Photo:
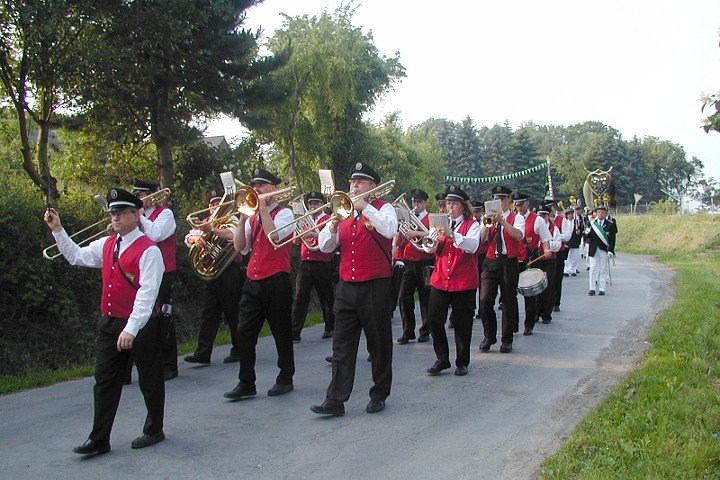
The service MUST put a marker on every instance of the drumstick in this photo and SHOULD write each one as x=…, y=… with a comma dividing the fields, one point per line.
x=533, y=261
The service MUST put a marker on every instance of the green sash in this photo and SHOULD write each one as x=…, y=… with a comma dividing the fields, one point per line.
x=600, y=232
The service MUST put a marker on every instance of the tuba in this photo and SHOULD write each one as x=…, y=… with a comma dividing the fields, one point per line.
x=407, y=221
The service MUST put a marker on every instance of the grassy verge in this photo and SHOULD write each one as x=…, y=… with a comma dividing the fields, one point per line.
x=42, y=378
x=662, y=421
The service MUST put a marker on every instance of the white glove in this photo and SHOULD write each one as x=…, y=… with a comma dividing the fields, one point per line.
x=611, y=254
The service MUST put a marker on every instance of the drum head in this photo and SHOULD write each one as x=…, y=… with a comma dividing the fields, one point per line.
x=530, y=277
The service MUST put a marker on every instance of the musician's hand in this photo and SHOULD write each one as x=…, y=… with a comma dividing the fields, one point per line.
x=334, y=224
x=125, y=341
x=360, y=204
x=547, y=254
x=496, y=216
x=611, y=254
x=207, y=228
x=52, y=219
x=141, y=211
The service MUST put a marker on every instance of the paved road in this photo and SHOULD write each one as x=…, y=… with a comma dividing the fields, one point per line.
x=500, y=421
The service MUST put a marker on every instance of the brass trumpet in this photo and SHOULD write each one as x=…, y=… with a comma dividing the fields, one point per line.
x=342, y=207
x=52, y=251
x=156, y=198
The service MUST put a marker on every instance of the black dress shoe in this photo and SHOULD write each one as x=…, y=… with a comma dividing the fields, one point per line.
x=601, y=292
x=242, y=390
x=278, y=389
x=528, y=331
x=461, y=371
x=146, y=440
x=566, y=274
x=169, y=375
x=556, y=308
x=231, y=359
x=506, y=348
x=403, y=340
x=92, y=446
x=423, y=338
x=192, y=358
x=328, y=334
x=328, y=408
x=438, y=367
x=545, y=321
x=375, y=406
x=591, y=293
x=485, y=344
x=328, y=359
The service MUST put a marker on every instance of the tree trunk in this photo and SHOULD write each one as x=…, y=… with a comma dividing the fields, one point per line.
x=159, y=132
x=43, y=141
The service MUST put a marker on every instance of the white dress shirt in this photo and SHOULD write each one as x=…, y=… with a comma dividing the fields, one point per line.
x=152, y=268
x=467, y=243
x=282, y=223
x=160, y=228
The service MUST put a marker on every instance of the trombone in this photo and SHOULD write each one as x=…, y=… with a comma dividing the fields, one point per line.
x=245, y=201
x=342, y=206
x=52, y=252
x=156, y=198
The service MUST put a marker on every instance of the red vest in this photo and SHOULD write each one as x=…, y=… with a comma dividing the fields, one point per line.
x=265, y=260
x=514, y=247
x=531, y=238
x=314, y=255
x=412, y=253
x=541, y=250
x=167, y=246
x=362, y=257
x=118, y=297
x=558, y=221
x=455, y=270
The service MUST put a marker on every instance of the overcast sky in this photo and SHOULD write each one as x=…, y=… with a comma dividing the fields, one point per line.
x=639, y=66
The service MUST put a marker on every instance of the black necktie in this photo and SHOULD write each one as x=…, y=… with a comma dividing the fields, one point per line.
x=417, y=214
x=116, y=255
x=452, y=226
x=499, y=239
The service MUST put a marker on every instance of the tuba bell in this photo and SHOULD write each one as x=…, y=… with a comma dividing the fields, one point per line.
x=213, y=255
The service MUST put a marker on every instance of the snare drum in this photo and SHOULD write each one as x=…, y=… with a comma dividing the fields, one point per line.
x=532, y=282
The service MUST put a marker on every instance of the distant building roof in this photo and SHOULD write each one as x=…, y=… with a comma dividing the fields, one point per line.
x=216, y=142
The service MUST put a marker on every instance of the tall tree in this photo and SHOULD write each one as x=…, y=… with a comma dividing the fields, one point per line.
x=41, y=61
x=159, y=65
x=334, y=76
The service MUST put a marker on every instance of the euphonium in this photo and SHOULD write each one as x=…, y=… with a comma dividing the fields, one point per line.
x=211, y=257
x=407, y=221
x=436, y=220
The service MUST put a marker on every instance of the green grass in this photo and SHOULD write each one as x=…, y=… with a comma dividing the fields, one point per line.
x=42, y=378
x=662, y=421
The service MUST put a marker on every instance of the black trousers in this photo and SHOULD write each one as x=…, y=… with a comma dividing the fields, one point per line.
x=541, y=306
x=318, y=275
x=168, y=335
x=110, y=368
x=502, y=272
x=221, y=301
x=267, y=299
x=559, y=267
x=463, y=307
x=414, y=279
x=362, y=306
x=481, y=260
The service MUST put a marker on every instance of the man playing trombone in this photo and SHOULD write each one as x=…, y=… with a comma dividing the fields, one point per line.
x=267, y=293
x=363, y=297
x=132, y=268
x=315, y=271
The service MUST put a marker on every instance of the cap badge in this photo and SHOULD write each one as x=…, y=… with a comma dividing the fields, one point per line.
x=358, y=166
x=113, y=194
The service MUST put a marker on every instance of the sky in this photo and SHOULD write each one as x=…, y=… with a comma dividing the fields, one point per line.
x=639, y=66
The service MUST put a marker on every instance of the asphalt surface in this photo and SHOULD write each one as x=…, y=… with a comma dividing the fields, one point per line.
x=500, y=421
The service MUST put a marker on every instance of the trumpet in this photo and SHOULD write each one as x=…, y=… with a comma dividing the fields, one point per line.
x=407, y=221
x=487, y=221
x=52, y=252
x=342, y=207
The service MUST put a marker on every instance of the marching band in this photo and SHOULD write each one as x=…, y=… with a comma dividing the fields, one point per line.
x=241, y=246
